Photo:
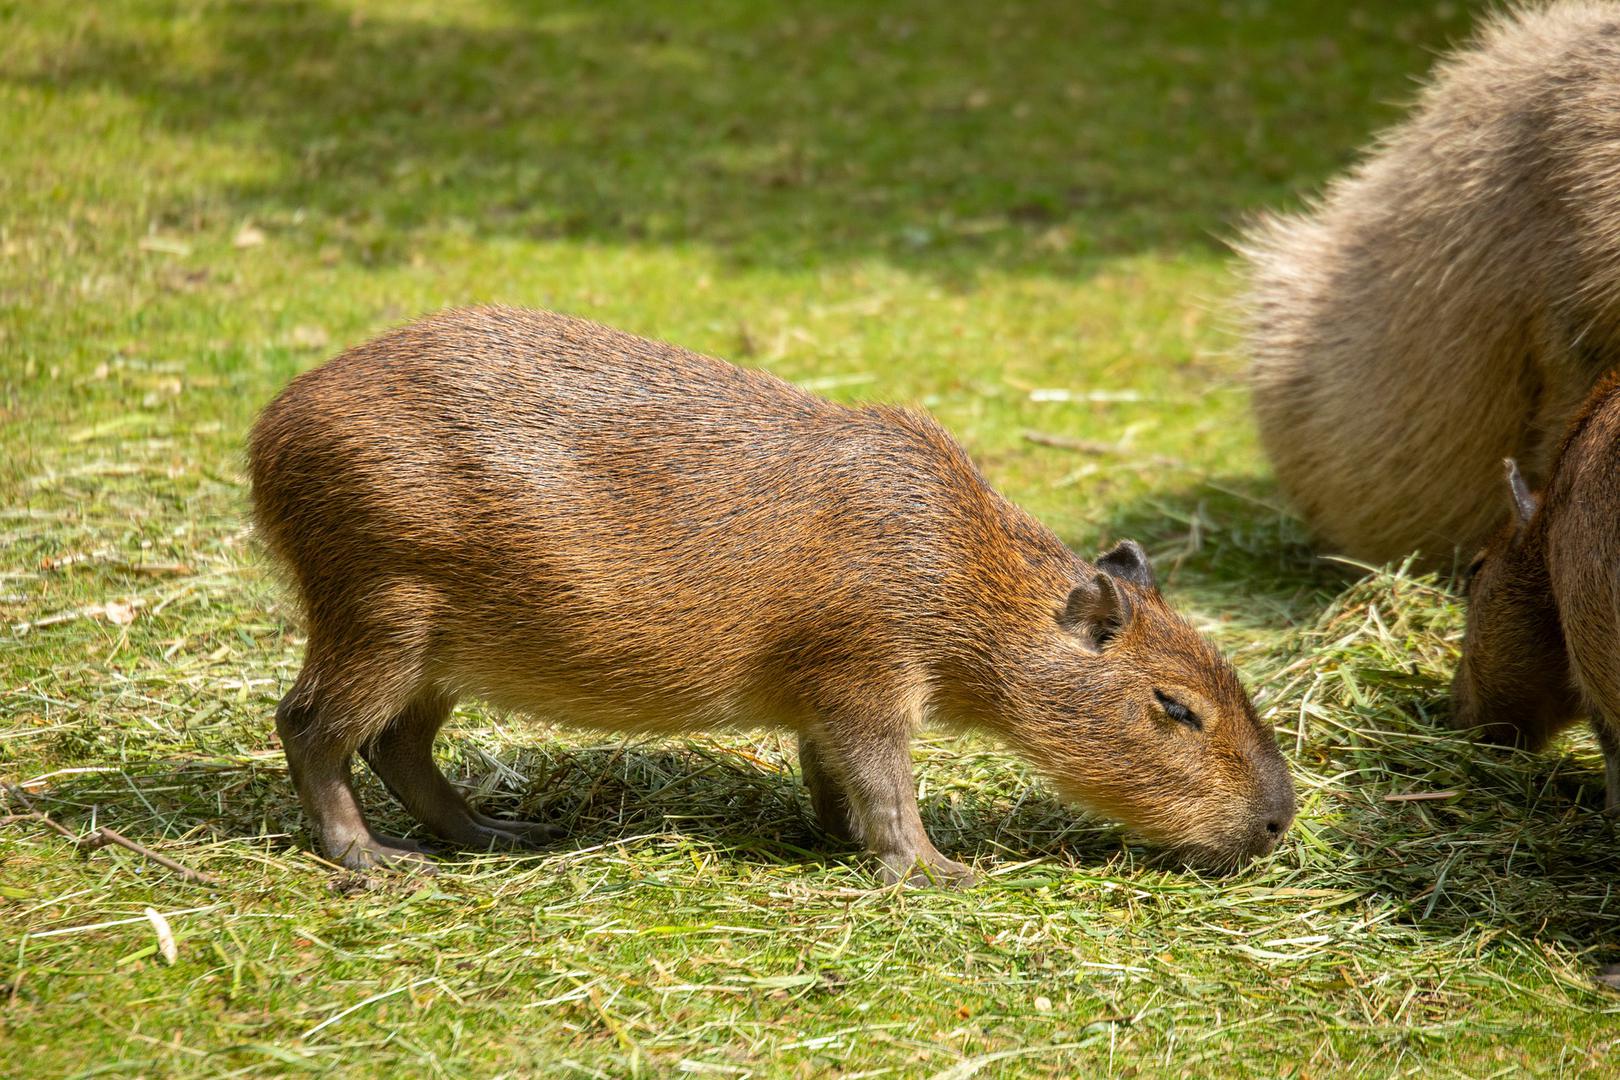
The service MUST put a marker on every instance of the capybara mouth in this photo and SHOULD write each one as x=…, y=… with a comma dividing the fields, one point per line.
x=1228, y=858
x=1220, y=861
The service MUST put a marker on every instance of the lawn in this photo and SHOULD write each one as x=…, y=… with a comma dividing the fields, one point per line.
x=1013, y=215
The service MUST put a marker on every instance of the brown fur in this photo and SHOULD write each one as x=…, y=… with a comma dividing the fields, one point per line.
x=566, y=520
x=1542, y=647
x=1451, y=300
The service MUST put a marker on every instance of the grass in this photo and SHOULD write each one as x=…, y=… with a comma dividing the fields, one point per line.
x=1011, y=215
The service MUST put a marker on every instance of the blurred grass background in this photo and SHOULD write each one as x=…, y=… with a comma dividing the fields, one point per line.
x=1014, y=216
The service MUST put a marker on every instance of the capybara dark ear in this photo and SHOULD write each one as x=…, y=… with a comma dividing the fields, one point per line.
x=1096, y=610
x=1128, y=562
x=1524, y=503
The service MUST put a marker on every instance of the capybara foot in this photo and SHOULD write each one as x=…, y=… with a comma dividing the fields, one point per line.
x=495, y=833
x=923, y=871
x=378, y=852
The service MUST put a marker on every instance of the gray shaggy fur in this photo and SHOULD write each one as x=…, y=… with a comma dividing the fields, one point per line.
x=1450, y=301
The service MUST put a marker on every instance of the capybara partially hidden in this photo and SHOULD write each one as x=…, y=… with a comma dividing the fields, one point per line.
x=1542, y=648
x=1451, y=301
x=585, y=526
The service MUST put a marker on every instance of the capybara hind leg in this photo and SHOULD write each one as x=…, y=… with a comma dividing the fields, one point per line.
x=827, y=797
x=319, y=765
x=402, y=757
x=874, y=763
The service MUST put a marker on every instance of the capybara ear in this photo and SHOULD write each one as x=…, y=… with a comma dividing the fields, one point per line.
x=1524, y=503
x=1096, y=610
x=1128, y=562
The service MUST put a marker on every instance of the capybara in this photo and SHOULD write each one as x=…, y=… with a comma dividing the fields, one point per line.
x=568, y=521
x=1449, y=302
x=1542, y=648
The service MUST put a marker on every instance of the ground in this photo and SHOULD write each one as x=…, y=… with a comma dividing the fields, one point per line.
x=1013, y=215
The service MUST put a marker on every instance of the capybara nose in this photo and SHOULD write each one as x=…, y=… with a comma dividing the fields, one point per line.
x=1277, y=817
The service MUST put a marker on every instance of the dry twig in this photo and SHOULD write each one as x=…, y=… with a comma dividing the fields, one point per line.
x=100, y=838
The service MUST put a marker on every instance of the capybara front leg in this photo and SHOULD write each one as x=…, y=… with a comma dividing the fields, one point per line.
x=1609, y=740
x=827, y=796
x=874, y=763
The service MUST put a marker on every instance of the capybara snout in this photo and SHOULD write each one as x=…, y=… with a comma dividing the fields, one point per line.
x=585, y=526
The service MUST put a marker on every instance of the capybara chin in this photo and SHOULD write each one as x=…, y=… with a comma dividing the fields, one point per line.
x=585, y=526
x=1542, y=647
x=1450, y=301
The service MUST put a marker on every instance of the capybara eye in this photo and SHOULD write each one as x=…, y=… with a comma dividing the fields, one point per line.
x=1178, y=712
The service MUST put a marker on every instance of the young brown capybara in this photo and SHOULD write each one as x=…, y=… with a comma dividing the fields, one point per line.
x=565, y=520
x=1542, y=648
x=1450, y=301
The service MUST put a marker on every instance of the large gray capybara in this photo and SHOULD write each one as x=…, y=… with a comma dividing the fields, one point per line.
x=1450, y=301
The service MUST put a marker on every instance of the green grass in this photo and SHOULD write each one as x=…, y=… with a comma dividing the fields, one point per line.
x=1011, y=214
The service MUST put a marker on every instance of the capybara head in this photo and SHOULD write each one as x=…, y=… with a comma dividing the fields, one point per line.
x=1513, y=681
x=1139, y=717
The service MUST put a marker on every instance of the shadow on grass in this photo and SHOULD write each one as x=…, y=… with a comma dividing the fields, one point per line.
x=1509, y=841
x=751, y=808
x=1523, y=848
x=1024, y=137
x=744, y=808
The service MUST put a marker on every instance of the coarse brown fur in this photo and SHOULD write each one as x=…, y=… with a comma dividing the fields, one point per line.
x=1451, y=300
x=1542, y=648
x=566, y=520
